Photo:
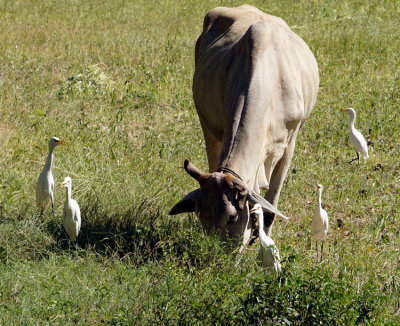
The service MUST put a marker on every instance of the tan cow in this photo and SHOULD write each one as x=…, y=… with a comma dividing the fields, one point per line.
x=255, y=84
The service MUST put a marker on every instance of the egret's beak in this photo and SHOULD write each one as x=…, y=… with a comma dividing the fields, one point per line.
x=343, y=110
x=61, y=142
x=253, y=210
x=63, y=184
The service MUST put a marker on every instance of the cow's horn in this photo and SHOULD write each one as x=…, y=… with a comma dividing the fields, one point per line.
x=192, y=170
x=253, y=198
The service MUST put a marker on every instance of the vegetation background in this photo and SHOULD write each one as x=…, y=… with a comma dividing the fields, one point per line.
x=113, y=79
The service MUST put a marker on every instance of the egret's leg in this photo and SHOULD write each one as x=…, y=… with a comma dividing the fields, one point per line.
x=316, y=247
x=356, y=158
x=322, y=248
x=67, y=237
x=52, y=207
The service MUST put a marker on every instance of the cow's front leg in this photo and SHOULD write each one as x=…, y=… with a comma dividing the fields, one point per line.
x=277, y=178
x=213, y=148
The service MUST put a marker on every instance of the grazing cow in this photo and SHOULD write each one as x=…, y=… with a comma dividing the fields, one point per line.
x=255, y=83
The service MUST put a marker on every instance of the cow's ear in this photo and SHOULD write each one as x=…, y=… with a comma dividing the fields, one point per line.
x=187, y=204
x=242, y=197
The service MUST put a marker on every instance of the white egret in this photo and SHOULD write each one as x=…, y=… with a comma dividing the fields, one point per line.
x=72, y=213
x=269, y=252
x=357, y=139
x=320, y=222
x=45, y=183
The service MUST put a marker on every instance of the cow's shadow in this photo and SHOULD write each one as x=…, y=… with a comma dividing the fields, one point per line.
x=140, y=234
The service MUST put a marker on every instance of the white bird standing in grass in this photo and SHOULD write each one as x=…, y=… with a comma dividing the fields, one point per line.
x=72, y=213
x=357, y=139
x=45, y=183
x=320, y=222
x=269, y=252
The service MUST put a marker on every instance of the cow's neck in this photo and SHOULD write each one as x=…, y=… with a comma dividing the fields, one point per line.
x=228, y=170
x=243, y=144
x=244, y=166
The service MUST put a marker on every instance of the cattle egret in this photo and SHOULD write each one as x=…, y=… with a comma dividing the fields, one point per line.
x=72, y=213
x=45, y=183
x=357, y=139
x=320, y=222
x=269, y=252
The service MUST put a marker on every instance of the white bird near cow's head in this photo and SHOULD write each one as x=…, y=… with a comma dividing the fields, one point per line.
x=268, y=250
x=357, y=139
x=320, y=222
x=72, y=213
x=45, y=183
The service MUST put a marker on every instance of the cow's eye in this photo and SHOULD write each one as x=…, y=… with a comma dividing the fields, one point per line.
x=233, y=218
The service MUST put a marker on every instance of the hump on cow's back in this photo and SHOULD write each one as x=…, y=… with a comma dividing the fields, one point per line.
x=224, y=17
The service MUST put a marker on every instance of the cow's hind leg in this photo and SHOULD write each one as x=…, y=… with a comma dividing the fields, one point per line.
x=277, y=179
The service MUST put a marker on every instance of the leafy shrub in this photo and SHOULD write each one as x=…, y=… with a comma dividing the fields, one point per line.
x=91, y=80
x=312, y=297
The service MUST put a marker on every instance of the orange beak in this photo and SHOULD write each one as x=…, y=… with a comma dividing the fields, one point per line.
x=253, y=210
x=61, y=142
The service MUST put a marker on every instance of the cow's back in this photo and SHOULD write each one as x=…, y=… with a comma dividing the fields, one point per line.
x=220, y=48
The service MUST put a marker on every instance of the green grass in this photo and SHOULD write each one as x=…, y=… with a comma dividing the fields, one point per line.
x=113, y=79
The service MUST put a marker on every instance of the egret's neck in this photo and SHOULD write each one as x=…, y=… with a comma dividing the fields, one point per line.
x=352, y=121
x=68, y=194
x=319, y=198
x=260, y=222
x=49, y=160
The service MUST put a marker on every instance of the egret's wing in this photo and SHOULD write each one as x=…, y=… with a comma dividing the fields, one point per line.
x=77, y=211
x=326, y=220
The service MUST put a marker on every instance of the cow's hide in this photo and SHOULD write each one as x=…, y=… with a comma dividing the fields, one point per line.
x=255, y=84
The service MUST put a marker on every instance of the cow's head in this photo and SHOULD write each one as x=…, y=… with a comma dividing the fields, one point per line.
x=220, y=202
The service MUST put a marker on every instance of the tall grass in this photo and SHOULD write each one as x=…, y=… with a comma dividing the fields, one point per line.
x=113, y=79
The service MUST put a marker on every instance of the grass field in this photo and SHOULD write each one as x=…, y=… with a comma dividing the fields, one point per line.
x=113, y=79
